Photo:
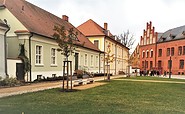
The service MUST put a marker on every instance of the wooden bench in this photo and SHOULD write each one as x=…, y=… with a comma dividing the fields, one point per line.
x=86, y=79
x=75, y=81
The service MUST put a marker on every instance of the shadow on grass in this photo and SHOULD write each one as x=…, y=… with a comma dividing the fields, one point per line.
x=68, y=90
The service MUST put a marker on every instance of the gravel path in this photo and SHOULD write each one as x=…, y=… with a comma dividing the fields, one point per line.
x=4, y=92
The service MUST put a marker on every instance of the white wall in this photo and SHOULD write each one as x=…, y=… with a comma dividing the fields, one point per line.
x=11, y=64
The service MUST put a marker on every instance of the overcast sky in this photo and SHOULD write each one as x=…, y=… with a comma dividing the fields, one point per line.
x=120, y=15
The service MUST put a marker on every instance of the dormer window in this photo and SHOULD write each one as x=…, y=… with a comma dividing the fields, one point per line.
x=183, y=33
x=172, y=36
x=164, y=39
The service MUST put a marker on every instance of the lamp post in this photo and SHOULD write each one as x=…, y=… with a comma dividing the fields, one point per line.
x=145, y=69
x=170, y=66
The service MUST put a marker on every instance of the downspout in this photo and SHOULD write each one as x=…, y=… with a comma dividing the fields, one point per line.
x=104, y=56
x=5, y=48
x=30, y=55
x=99, y=62
x=115, y=57
x=156, y=50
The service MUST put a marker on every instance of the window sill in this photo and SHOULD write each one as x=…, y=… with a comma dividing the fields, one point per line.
x=53, y=65
x=39, y=65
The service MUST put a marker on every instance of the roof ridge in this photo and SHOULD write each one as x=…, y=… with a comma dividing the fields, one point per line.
x=40, y=21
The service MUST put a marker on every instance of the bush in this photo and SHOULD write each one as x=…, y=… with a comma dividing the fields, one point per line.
x=101, y=74
x=10, y=82
x=50, y=79
x=79, y=73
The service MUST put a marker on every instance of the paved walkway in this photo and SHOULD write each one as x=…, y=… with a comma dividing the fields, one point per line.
x=4, y=92
x=158, y=81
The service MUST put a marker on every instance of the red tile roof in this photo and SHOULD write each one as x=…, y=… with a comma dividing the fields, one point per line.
x=91, y=28
x=41, y=22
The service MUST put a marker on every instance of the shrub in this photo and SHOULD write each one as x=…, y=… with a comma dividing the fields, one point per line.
x=79, y=73
x=10, y=82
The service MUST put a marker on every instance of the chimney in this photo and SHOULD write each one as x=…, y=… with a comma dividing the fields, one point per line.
x=105, y=26
x=65, y=18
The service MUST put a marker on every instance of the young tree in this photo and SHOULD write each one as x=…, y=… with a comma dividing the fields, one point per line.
x=108, y=59
x=66, y=40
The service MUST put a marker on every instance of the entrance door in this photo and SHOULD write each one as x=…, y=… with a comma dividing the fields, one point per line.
x=76, y=61
x=20, y=71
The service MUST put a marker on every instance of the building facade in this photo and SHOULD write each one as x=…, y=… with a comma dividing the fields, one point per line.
x=102, y=38
x=135, y=60
x=171, y=51
x=3, y=66
x=163, y=52
x=33, y=27
x=148, y=47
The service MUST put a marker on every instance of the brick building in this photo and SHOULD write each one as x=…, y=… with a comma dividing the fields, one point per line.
x=135, y=59
x=171, y=46
x=148, y=47
x=160, y=51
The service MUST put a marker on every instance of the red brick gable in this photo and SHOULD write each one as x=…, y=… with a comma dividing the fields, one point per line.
x=41, y=22
x=149, y=35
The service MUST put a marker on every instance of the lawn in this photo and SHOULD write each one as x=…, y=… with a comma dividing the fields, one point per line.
x=116, y=97
x=154, y=78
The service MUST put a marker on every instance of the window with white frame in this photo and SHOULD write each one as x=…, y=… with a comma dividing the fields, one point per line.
x=96, y=61
x=53, y=56
x=38, y=55
x=102, y=62
x=92, y=60
x=85, y=60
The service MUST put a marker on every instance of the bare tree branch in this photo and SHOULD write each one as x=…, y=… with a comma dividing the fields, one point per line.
x=126, y=39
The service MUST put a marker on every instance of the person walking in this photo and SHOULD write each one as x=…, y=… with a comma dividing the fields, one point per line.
x=164, y=74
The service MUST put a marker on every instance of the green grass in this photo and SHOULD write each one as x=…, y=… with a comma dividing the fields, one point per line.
x=116, y=97
x=153, y=78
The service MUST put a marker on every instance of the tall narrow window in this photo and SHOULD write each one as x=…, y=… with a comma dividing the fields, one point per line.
x=146, y=64
x=147, y=54
x=160, y=53
x=102, y=63
x=38, y=55
x=143, y=64
x=159, y=64
x=151, y=53
x=96, y=61
x=181, y=64
x=172, y=51
x=180, y=50
x=143, y=54
x=168, y=52
x=92, y=60
x=96, y=43
x=53, y=56
x=183, y=50
x=85, y=60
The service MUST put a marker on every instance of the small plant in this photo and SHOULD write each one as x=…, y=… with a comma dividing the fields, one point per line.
x=10, y=82
x=0, y=78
